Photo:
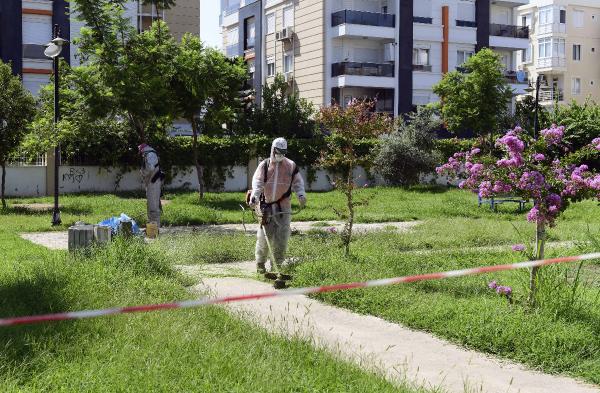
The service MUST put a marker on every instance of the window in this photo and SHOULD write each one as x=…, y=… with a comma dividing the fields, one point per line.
x=251, y=69
x=545, y=16
x=271, y=23
x=526, y=55
x=420, y=56
x=578, y=17
x=288, y=62
x=147, y=14
x=249, y=33
x=526, y=20
x=271, y=67
x=462, y=56
x=577, y=52
x=563, y=16
x=288, y=17
x=576, y=86
x=233, y=36
x=551, y=47
x=466, y=11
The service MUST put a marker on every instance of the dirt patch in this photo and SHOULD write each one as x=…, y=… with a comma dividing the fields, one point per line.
x=35, y=207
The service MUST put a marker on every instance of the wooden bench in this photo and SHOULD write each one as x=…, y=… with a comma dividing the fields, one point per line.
x=495, y=201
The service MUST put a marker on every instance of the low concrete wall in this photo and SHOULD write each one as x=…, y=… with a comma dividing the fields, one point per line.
x=26, y=181
x=31, y=181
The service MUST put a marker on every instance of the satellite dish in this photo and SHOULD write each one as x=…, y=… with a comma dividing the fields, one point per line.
x=521, y=76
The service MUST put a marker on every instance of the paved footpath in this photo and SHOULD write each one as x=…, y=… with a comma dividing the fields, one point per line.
x=59, y=240
x=397, y=352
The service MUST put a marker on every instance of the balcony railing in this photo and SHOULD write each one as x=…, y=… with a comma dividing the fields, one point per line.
x=466, y=23
x=421, y=67
x=550, y=62
x=362, y=18
x=422, y=19
x=511, y=77
x=551, y=95
x=509, y=31
x=362, y=69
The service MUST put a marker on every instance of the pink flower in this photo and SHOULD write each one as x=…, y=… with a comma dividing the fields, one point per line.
x=533, y=215
x=493, y=284
x=332, y=230
x=485, y=189
x=518, y=247
x=539, y=157
x=554, y=134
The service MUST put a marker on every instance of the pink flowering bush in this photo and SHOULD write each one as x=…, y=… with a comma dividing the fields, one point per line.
x=543, y=170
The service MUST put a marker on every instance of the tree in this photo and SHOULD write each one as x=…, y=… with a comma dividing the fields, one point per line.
x=477, y=99
x=17, y=108
x=525, y=114
x=404, y=155
x=543, y=169
x=581, y=122
x=348, y=129
x=135, y=69
x=204, y=81
x=283, y=114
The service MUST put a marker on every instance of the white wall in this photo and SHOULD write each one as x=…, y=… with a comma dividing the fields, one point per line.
x=27, y=181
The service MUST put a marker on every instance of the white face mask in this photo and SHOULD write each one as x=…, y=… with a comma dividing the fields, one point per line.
x=278, y=157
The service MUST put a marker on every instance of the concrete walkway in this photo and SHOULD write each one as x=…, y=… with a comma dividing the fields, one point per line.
x=397, y=352
x=59, y=240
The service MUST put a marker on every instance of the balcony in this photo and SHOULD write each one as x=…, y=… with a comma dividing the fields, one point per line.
x=550, y=95
x=551, y=62
x=362, y=18
x=509, y=31
x=466, y=23
x=511, y=78
x=421, y=67
x=422, y=19
x=363, y=75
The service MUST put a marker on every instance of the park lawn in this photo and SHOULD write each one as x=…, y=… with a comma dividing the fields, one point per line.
x=204, y=349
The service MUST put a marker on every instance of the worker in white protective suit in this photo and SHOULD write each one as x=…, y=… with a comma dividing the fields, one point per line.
x=272, y=185
x=153, y=178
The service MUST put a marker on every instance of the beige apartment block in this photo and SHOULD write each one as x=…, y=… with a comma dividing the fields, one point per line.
x=564, y=48
x=184, y=18
x=295, y=47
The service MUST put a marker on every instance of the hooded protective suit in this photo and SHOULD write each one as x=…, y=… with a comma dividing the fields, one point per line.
x=150, y=175
x=280, y=178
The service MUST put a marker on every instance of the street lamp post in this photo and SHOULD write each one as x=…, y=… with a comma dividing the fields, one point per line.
x=538, y=82
x=53, y=51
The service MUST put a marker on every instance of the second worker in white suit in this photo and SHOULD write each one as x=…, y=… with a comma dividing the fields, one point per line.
x=272, y=185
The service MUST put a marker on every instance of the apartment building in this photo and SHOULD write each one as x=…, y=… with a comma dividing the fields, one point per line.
x=564, y=48
x=394, y=50
x=26, y=26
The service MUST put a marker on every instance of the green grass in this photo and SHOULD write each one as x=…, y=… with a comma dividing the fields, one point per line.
x=203, y=349
x=558, y=337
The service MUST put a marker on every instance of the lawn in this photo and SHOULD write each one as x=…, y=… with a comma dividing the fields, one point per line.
x=561, y=336
x=200, y=350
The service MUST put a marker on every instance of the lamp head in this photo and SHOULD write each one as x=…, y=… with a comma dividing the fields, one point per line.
x=54, y=47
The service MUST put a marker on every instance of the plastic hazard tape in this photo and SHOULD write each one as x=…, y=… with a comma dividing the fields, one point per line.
x=34, y=319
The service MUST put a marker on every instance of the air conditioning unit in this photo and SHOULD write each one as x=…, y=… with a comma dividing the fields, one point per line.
x=389, y=52
x=285, y=34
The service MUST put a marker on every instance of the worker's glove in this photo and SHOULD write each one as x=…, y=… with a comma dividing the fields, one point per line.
x=302, y=201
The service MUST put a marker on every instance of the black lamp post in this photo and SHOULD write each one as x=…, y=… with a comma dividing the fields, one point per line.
x=538, y=82
x=53, y=50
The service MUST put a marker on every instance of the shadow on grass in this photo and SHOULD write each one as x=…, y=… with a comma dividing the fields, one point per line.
x=25, y=211
x=31, y=296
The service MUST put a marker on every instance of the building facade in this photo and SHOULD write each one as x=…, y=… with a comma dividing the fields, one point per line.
x=26, y=26
x=564, y=48
x=394, y=50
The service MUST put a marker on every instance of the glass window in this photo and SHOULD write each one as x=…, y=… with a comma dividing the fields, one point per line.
x=545, y=16
x=526, y=55
x=270, y=67
x=462, y=56
x=250, y=33
x=271, y=23
x=576, y=52
x=576, y=86
x=563, y=16
x=288, y=17
x=147, y=14
x=420, y=56
x=288, y=63
x=233, y=36
x=551, y=47
x=251, y=69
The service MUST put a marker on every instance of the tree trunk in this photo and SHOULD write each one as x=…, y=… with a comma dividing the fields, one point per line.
x=199, y=168
x=350, y=205
x=540, y=242
x=3, y=184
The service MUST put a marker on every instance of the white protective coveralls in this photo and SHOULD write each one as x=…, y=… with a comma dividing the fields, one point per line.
x=279, y=179
x=149, y=171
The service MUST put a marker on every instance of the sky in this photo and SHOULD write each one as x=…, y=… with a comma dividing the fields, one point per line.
x=210, y=31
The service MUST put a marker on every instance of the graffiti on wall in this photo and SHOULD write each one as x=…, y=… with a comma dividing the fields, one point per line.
x=74, y=175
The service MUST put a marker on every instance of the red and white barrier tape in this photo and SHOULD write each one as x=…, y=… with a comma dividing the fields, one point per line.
x=29, y=320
